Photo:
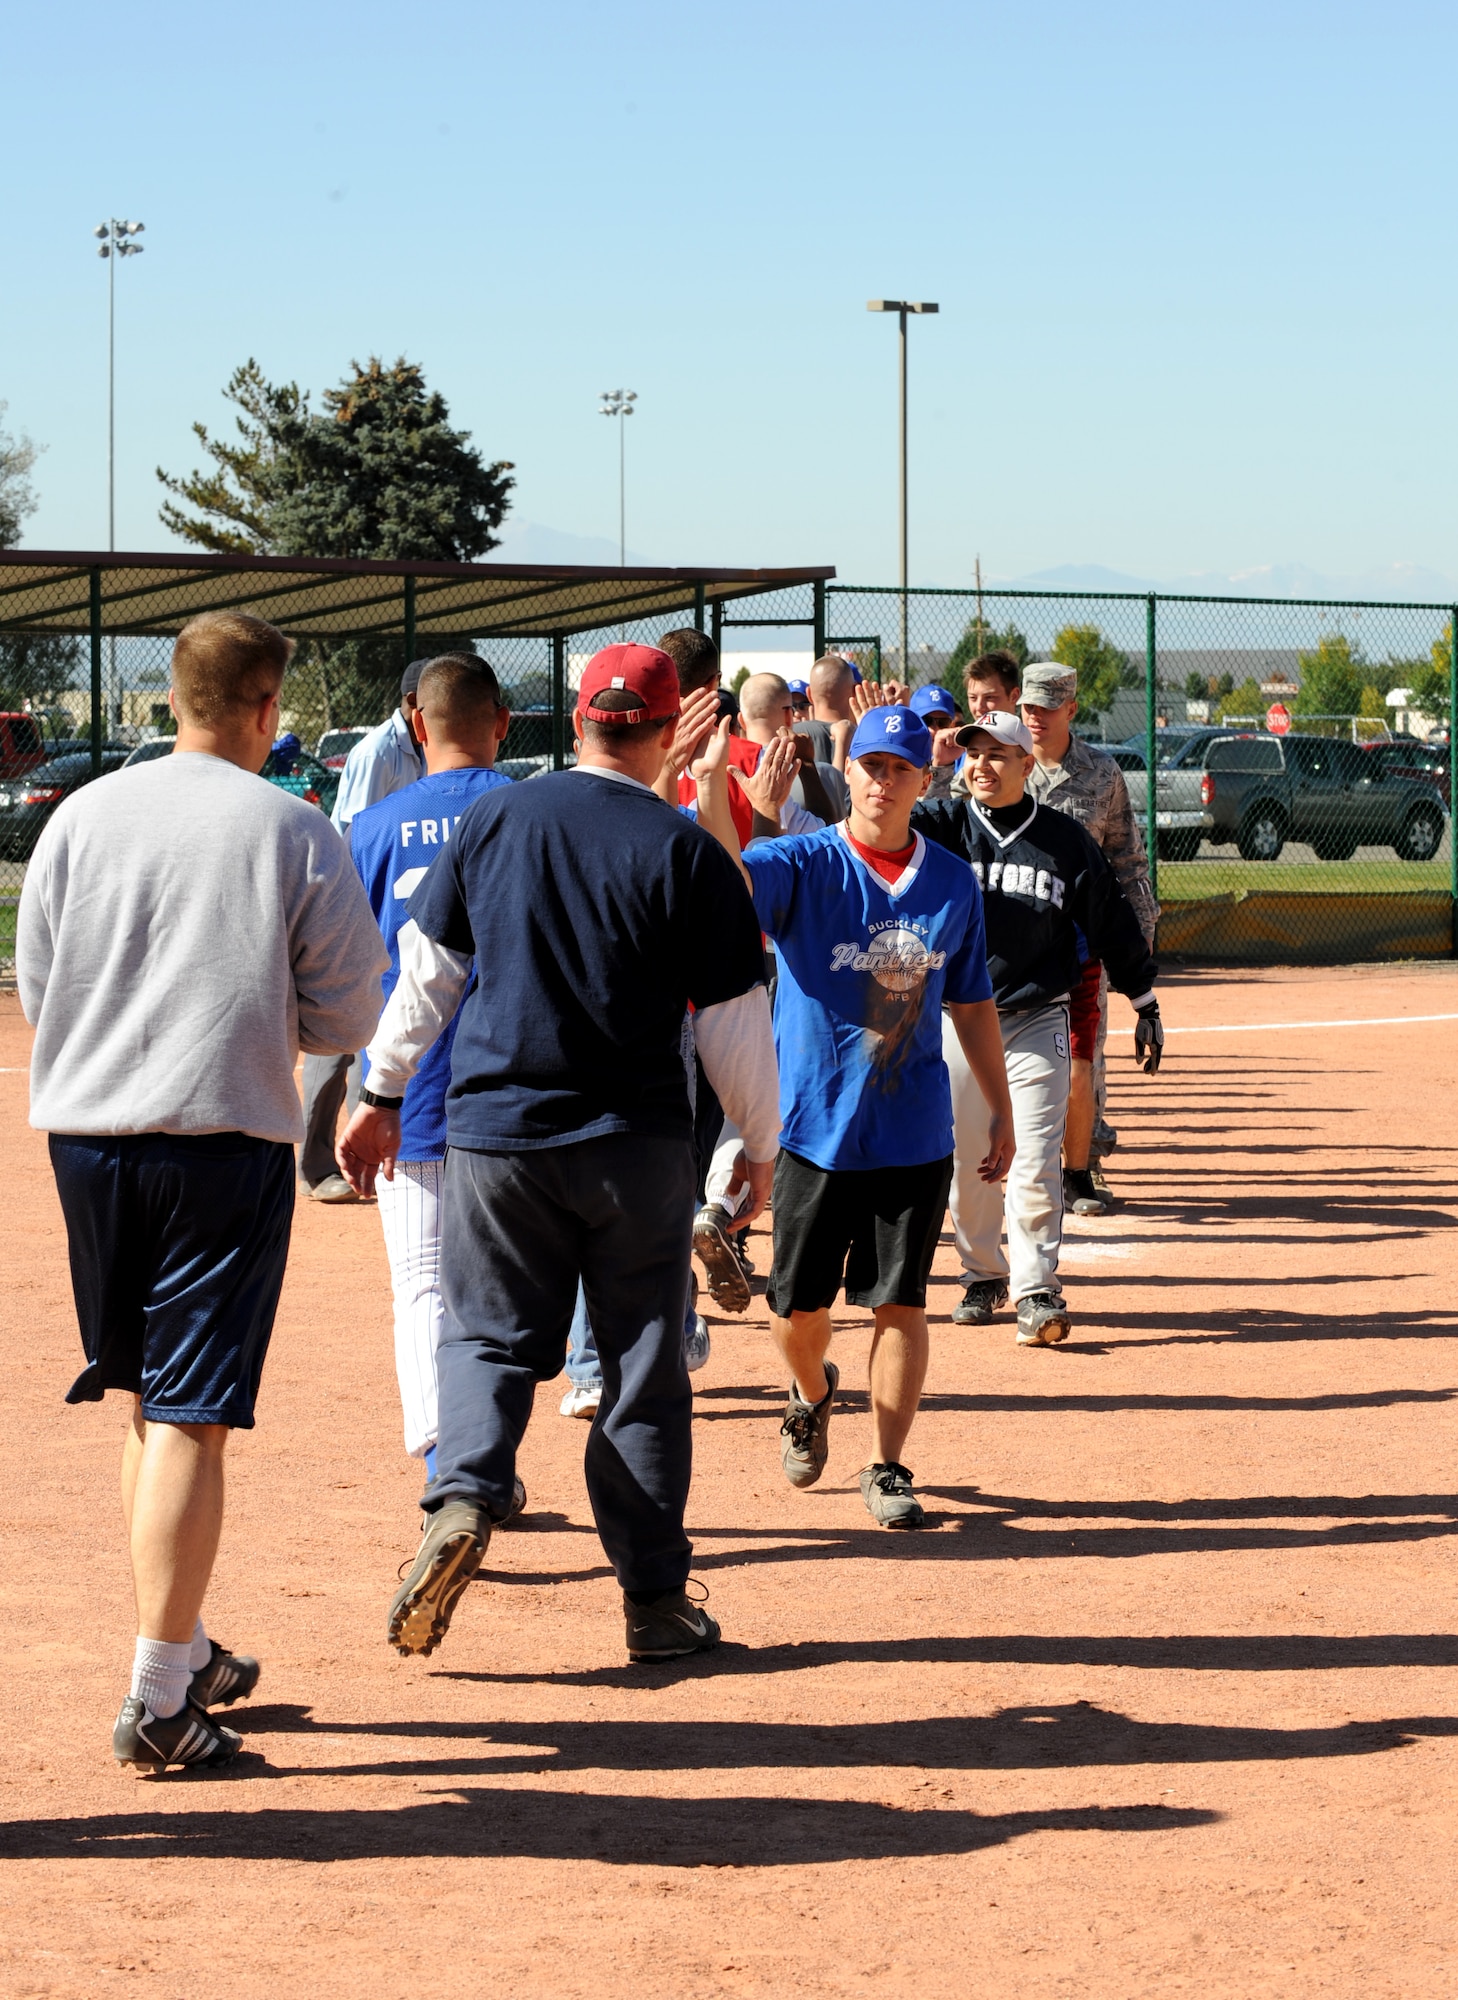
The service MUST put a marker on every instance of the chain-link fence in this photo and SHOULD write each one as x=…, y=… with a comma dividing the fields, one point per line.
x=1304, y=789
x=86, y=647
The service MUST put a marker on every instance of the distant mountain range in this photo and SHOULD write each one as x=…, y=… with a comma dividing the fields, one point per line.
x=1401, y=582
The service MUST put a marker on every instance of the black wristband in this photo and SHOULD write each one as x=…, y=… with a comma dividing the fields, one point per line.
x=380, y=1103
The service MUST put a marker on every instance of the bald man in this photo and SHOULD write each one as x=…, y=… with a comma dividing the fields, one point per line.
x=832, y=724
x=765, y=710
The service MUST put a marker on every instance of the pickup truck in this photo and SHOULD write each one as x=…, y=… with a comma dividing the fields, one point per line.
x=1262, y=791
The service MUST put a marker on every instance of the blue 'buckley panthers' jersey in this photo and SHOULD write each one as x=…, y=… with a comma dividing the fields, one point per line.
x=392, y=845
x=865, y=966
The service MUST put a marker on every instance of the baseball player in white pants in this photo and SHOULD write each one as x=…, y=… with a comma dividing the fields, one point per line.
x=410, y=1217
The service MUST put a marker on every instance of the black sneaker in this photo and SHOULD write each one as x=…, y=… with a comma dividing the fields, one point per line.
x=226, y=1678
x=739, y=1244
x=714, y=1248
x=805, y=1433
x=1080, y=1196
x=668, y=1628
x=979, y=1302
x=1042, y=1320
x=886, y=1490
x=451, y=1550
x=152, y=1742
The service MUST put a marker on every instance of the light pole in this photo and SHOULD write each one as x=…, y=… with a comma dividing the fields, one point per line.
x=902, y=307
x=619, y=403
x=117, y=240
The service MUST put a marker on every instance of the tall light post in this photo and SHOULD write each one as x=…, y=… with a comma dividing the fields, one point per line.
x=902, y=307
x=619, y=403
x=117, y=240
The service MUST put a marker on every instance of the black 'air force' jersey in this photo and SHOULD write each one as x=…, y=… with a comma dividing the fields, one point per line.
x=1044, y=881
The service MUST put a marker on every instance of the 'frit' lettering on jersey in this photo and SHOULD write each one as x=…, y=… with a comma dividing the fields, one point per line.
x=433, y=832
x=1016, y=878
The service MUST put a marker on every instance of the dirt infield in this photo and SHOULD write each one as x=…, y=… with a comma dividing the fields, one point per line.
x=1166, y=1701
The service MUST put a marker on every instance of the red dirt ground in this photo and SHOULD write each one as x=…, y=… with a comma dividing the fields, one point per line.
x=1165, y=1702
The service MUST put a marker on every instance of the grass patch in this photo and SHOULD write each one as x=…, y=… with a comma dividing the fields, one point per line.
x=1188, y=880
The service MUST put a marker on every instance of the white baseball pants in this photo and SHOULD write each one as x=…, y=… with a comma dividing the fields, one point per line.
x=410, y=1215
x=1030, y=1201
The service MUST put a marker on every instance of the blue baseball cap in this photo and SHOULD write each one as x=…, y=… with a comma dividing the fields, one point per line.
x=899, y=730
x=934, y=701
x=799, y=687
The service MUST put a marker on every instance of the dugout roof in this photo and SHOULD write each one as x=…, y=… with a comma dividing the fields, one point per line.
x=320, y=597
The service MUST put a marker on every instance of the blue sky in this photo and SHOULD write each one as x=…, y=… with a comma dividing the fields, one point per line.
x=1195, y=265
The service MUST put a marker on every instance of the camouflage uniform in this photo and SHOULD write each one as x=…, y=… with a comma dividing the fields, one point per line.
x=1089, y=786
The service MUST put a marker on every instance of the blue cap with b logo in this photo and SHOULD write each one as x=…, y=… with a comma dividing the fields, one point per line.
x=899, y=730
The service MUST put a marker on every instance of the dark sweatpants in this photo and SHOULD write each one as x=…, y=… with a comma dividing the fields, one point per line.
x=517, y=1230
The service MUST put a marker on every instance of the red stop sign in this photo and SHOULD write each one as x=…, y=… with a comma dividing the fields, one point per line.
x=1278, y=718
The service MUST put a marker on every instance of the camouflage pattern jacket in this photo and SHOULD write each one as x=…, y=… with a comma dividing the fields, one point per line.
x=1089, y=786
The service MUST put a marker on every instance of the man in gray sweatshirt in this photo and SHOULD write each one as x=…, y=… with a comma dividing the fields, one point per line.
x=184, y=930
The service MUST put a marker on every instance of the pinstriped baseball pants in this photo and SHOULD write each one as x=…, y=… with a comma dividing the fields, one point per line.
x=410, y=1216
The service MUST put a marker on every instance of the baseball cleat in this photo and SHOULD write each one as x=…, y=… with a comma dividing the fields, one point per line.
x=226, y=1678
x=151, y=1742
x=805, y=1433
x=728, y=1286
x=451, y=1551
x=886, y=1490
x=979, y=1302
x=668, y=1628
x=1042, y=1320
x=1080, y=1196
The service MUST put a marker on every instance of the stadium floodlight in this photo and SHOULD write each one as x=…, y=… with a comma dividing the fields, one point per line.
x=619, y=403
x=903, y=308
x=114, y=237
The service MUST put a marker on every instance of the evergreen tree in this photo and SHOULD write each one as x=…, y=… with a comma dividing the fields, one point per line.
x=1101, y=668
x=980, y=638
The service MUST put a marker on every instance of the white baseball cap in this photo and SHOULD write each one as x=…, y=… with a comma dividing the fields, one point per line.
x=1009, y=729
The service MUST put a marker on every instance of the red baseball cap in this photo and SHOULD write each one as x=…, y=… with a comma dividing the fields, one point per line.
x=641, y=670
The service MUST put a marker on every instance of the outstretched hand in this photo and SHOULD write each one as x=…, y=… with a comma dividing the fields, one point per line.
x=867, y=695
x=770, y=783
x=695, y=720
x=713, y=753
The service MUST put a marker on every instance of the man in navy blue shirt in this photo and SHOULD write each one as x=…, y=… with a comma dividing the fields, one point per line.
x=595, y=914
x=459, y=722
x=875, y=930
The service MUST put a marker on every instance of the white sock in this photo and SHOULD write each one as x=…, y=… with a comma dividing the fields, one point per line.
x=161, y=1673
x=202, y=1648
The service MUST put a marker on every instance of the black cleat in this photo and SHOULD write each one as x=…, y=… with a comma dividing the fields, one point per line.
x=151, y=1742
x=714, y=1248
x=668, y=1628
x=1080, y=1195
x=226, y=1678
x=979, y=1302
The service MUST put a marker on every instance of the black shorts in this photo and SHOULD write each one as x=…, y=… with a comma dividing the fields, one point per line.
x=178, y=1245
x=878, y=1227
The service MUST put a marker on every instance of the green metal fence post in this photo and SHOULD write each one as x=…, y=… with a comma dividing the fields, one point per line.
x=96, y=694
x=1453, y=771
x=716, y=624
x=698, y=607
x=1151, y=819
x=818, y=587
x=409, y=620
x=559, y=701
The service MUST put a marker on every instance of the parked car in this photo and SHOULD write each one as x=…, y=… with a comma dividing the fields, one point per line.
x=1180, y=818
x=22, y=746
x=1410, y=757
x=1262, y=791
x=154, y=747
x=307, y=779
x=520, y=768
x=28, y=802
x=335, y=745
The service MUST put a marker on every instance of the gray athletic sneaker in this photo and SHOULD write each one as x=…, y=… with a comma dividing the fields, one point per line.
x=979, y=1302
x=669, y=1628
x=1042, y=1320
x=886, y=1490
x=152, y=1742
x=227, y=1677
x=805, y=1433
x=714, y=1248
x=451, y=1551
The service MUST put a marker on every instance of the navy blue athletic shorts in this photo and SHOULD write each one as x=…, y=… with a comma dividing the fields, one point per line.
x=178, y=1245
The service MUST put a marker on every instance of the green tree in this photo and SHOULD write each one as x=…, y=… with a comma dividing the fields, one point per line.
x=35, y=667
x=1197, y=687
x=1101, y=668
x=379, y=472
x=1373, y=704
x=980, y=638
x=1331, y=678
x=17, y=499
x=1246, y=699
x=1429, y=681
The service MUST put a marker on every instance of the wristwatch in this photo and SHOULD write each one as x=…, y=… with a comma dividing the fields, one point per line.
x=380, y=1103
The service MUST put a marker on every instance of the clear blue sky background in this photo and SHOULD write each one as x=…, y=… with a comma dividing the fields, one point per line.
x=1195, y=264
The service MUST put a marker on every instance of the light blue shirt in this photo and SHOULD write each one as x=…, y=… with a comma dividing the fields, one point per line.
x=383, y=762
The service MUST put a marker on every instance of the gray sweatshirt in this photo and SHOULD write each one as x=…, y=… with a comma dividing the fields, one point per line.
x=184, y=930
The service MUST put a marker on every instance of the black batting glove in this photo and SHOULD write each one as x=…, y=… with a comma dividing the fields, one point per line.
x=1149, y=1038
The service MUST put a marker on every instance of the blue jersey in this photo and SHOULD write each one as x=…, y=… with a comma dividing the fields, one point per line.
x=865, y=966
x=392, y=845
